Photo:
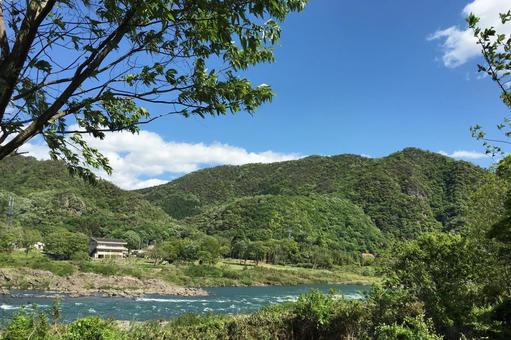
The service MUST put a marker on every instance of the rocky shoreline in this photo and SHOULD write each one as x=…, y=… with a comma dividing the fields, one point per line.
x=88, y=284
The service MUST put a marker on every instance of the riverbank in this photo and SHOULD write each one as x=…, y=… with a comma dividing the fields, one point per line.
x=132, y=277
x=87, y=284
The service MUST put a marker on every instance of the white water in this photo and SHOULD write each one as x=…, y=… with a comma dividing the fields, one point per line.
x=227, y=300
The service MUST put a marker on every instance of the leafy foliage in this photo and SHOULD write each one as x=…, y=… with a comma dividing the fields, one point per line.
x=187, y=56
x=292, y=228
x=495, y=48
x=460, y=280
x=411, y=329
x=63, y=244
x=91, y=328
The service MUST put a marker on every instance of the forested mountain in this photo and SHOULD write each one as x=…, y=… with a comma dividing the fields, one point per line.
x=315, y=223
x=317, y=210
x=47, y=197
x=405, y=193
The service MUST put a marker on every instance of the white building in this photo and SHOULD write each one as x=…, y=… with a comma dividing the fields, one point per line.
x=107, y=248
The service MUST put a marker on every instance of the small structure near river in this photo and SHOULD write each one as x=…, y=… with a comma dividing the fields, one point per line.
x=107, y=248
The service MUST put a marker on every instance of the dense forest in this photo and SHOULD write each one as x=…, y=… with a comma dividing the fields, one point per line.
x=47, y=198
x=317, y=211
x=404, y=194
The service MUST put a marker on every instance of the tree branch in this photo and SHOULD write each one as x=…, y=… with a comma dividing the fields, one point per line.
x=124, y=127
x=83, y=72
x=11, y=66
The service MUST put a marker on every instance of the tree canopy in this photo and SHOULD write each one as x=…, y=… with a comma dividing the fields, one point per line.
x=74, y=67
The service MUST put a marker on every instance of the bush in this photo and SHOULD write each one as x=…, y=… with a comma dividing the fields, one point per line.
x=231, y=274
x=92, y=328
x=104, y=268
x=411, y=329
x=204, y=271
x=58, y=268
x=188, y=326
x=313, y=312
x=80, y=256
x=391, y=306
x=27, y=325
x=272, y=322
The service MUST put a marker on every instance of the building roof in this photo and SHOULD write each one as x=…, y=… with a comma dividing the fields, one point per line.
x=108, y=240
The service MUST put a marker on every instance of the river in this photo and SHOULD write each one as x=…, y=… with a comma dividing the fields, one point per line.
x=227, y=300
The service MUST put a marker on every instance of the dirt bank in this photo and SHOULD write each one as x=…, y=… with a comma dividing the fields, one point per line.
x=84, y=284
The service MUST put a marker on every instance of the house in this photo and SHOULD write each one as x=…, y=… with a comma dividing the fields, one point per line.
x=38, y=246
x=107, y=248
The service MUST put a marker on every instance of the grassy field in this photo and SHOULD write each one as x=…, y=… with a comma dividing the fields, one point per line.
x=228, y=272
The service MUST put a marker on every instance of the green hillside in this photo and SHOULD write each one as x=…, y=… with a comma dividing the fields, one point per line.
x=47, y=197
x=313, y=223
x=404, y=194
x=315, y=211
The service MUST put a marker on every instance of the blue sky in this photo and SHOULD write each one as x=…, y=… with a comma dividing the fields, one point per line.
x=365, y=77
x=359, y=77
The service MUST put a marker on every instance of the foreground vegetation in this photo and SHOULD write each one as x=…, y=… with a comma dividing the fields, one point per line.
x=227, y=272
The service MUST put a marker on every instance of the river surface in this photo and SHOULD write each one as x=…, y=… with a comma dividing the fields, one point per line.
x=226, y=300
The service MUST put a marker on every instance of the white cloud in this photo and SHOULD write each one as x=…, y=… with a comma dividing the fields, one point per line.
x=141, y=160
x=459, y=44
x=37, y=150
x=464, y=154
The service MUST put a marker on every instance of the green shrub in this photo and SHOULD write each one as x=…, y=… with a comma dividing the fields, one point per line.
x=411, y=329
x=27, y=325
x=391, y=306
x=104, y=268
x=203, y=271
x=187, y=326
x=313, y=312
x=80, y=256
x=58, y=268
x=92, y=328
x=350, y=319
x=231, y=274
x=271, y=322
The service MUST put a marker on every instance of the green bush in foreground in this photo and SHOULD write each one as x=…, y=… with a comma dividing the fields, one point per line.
x=412, y=329
x=92, y=328
x=27, y=325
